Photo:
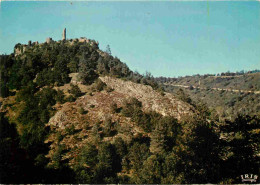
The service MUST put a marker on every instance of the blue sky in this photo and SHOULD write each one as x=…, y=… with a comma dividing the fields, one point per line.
x=165, y=38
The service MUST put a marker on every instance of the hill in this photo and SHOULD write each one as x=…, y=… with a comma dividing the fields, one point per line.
x=226, y=95
x=71, y=113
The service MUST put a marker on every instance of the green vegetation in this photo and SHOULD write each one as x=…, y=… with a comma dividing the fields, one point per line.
x=198, y=149
x=222, y=102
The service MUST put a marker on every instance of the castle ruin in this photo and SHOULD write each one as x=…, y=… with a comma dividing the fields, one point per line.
x=21, y=48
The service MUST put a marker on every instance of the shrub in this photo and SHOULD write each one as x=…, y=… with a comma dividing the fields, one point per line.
x=75, y=90
x=70, y=98
x=114, y=108
x=99, y=85
x=60, y=96
x=130, y=106
x=82, y=111
x=109, y=89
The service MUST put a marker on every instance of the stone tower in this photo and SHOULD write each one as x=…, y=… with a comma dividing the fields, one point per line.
x=64, y=34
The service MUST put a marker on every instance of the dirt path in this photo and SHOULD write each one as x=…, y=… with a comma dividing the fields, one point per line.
x=214, y=88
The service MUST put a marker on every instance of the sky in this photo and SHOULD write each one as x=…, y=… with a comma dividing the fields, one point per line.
x=165, y=38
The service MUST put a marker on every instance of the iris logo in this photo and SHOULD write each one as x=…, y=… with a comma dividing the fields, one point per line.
x=249, y=178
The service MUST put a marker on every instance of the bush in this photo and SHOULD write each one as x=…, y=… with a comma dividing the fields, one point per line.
x=75, y=91
x=109, y=89
x=99, y=85
x=114, y=108
x=70, y=98
x=130, y=106
x=82, y=111
x=60, y=96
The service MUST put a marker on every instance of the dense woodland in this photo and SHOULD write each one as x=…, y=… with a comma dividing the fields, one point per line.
x=202, y=149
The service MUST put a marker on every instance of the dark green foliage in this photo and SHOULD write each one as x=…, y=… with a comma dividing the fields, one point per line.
x=108, y=50
x=157, y=141
x=61, y=72
x=108, y=164
x=86, y=162
x=114, y=108
x=60, y=96
x=121, y=147
x=82, y=111
x=17, y=166
x=183, y=96
x=33, y=116
x=70, y=98
x=99, y=85
x=242, y=142
x=73, y=66
x=4, y=90
x=11, y=155
x=75, y=90
x=138, y=153
x=108, y=126
x=87, y=66
x=146, y=79
x=130, y=106
x=202, y=160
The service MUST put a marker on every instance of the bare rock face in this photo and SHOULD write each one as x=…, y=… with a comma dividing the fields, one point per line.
x=167, y=104
x=77, y=123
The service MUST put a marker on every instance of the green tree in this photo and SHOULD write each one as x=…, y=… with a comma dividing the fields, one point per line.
x=86, y=164
x=138, y=153
x=108, y=50
x=86, y=70
x=241, y=141
x=108, y=164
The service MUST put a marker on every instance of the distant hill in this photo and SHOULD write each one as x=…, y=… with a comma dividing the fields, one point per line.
x=248, y=82
x=227, y=95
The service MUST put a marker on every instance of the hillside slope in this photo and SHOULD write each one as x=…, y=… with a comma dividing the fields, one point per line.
x=227, y=96
x=246, y=82
x=98, y=108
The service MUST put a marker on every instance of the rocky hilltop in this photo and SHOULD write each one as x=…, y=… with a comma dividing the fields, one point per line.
x=96, y=109
x=163, y=103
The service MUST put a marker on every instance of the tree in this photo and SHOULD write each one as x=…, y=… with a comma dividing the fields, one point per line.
x=108, y=50
x=198, y=150
x=157, y=141
x=86, y=164
x=108, y=126
x=152, y=170
x=61, y=72
x=86, y=71
x=138, y=153
x=108, y=164
x=73, y=66
x=241, y=151
x=60, y=96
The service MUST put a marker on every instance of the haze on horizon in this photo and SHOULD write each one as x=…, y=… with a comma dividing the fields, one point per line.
x=164, y=38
